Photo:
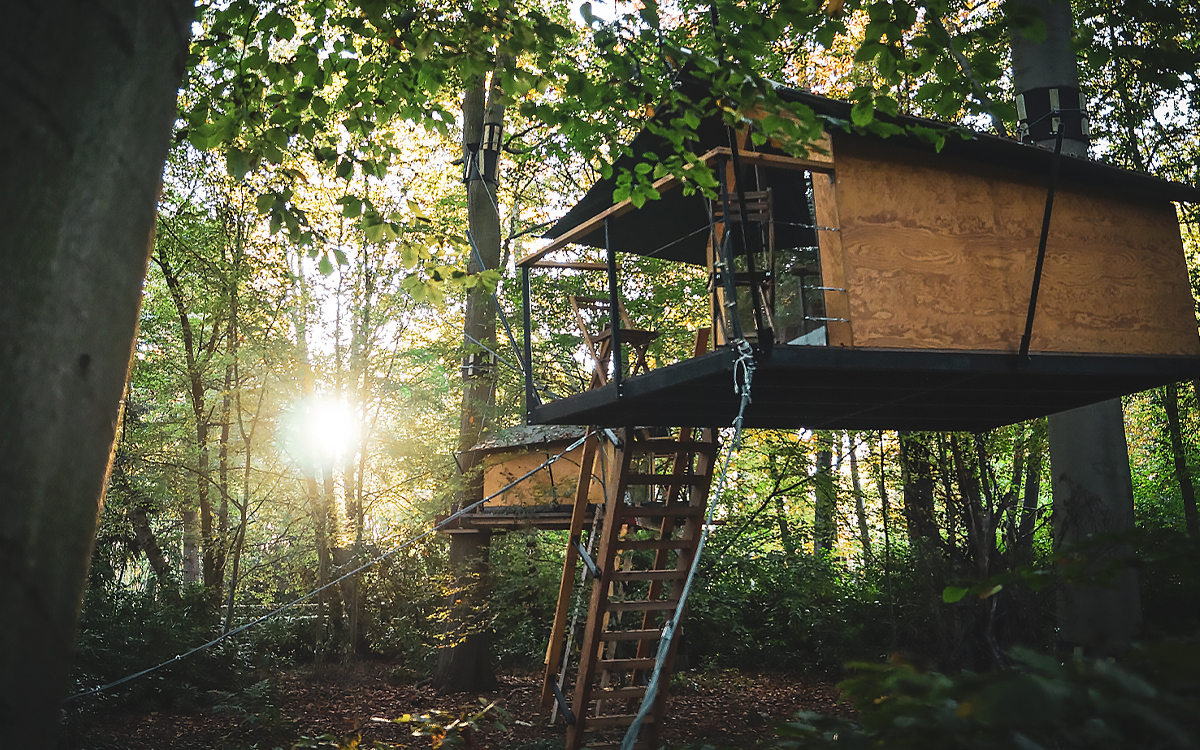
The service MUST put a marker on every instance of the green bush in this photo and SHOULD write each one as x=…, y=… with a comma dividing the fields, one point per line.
x=1150, y=699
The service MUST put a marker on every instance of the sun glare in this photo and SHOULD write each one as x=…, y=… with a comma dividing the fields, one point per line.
x=324, y=429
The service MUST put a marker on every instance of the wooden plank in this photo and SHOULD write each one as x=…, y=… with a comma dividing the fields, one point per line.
x=625, y=665
x=649, y=575
x=589, y=651
x=630, y=635
x=643, y=606
x=839, y=332
x=675, y=510
x=619, y=693
x=653, y=544
x=667, y=446
x=615, y=720
x=562, y=610
x=773, y=161
x=939, y=254
x=669, y=480
x=587, y=227
x=666, y=183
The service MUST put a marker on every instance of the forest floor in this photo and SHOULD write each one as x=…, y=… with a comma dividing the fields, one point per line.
x=723, y=709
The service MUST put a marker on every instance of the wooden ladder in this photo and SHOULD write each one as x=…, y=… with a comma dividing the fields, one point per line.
x=644, y=538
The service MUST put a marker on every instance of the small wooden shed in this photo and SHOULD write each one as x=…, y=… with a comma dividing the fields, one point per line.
x=543, y=500
x=886, y=284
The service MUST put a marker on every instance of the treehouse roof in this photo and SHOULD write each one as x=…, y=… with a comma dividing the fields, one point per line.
x=657, y=229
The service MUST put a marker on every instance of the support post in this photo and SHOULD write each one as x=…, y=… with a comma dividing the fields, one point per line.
x=530, y=394
x=614, y=310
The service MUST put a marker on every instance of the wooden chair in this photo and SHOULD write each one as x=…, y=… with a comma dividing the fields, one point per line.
x=594, y=316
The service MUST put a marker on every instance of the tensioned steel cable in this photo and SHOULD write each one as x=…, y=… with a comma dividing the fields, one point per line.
x=408, y=543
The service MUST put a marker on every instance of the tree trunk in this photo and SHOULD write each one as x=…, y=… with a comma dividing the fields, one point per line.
x=825, y=498
x=917, y=462
x=1033, y=486
x=465, y=665
x=864, y=536
x=1093, y=489
x=89, y=101
x=1170, y=400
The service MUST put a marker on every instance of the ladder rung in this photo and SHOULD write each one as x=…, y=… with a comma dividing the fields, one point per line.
x=670, y=480
x=616, y=720
x=612, y=694
x=667, y=446
x=649, y=575
x=624, y=665
x=630, y=635
x=678, y=510
x=656, y=544
x=643, y=606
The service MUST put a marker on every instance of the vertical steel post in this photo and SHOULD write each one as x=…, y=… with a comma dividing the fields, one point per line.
x=614, y=309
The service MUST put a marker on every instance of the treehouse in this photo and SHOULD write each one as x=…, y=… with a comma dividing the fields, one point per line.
x=542, y=500
x=884, y=284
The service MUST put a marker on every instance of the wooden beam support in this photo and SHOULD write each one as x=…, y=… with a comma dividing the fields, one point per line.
x=670, y=181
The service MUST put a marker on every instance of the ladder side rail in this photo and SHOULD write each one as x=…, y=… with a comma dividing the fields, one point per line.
x=554, y=650
x=590, y=647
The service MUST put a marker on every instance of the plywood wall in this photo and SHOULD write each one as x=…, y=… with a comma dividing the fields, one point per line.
x=556, y=483
x=940, y=254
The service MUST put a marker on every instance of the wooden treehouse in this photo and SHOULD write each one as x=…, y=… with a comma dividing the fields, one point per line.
x=887, y=286
x=882, y=285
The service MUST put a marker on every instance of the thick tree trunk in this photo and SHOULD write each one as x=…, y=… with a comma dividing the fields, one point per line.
x=1093, y=489
x=465, y=664
x=824, y=498
x=917, y=462
x=89, y=99
x=1093, y=494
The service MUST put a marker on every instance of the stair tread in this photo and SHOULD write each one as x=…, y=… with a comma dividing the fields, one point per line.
x=649, y=575
x=666, y=479
x=630, y=635
x=608, y=694
x=643, y=605
x=616, y=665
x=678, y=510
x=656, y=544
x=666, y=446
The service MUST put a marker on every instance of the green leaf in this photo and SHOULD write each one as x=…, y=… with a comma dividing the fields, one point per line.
x=237, y=163
x=863, y=112
x=952, y=594
x=265, y=202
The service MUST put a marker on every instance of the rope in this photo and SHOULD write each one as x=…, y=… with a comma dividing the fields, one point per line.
x=743, y=374
x=408, y=543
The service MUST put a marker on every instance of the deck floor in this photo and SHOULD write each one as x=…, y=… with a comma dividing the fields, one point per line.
x=866, y=389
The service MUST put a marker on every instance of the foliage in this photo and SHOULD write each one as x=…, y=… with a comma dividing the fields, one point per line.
x=1148, y=699
x=781, y=611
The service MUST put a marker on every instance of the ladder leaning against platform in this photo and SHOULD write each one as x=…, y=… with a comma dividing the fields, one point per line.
x=645, y=538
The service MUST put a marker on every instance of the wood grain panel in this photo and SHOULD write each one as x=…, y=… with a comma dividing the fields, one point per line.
x=833, y=268
x=940, y=254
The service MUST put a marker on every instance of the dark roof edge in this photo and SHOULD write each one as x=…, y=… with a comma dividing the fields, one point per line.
x=1006, y=152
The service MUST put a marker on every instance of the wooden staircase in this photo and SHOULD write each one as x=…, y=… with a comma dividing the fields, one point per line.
x=638, y=553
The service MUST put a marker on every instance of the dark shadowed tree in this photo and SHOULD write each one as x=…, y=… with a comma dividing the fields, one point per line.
x=89, y=100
